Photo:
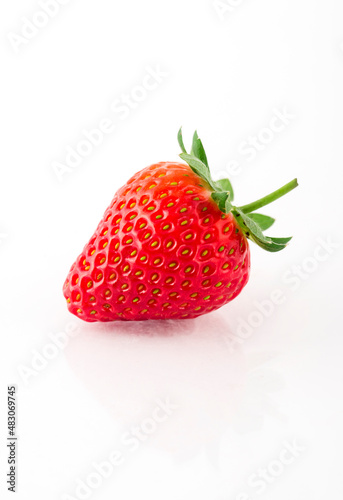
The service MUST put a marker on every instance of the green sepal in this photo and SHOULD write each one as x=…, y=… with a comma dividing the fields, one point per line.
x=198, y=150
x=180, y=141
x=264, y=221
x=223, y=201
x=225, y=185
x=199, y=168
x=254, y=232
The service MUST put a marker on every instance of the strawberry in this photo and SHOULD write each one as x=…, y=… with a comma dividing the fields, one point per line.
x=170, y=245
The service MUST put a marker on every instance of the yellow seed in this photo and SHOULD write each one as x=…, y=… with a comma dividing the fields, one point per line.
x=167, y=226
x=189, y=192
x=231, y=251
x=92, y=299
x=197, y=308
x=154, y=276
x=185, y=252
x=93, y=251
x=102, y=260
x=163, y=195
x=173, y=183
x=112, y=276
x=116, y=246
x=219, y=284
x=188, y=236
x=157, y=290
x=145, y=201
x=225, y=266
x=89, y=284
x=183, y=210
x=105, y=232
x=206, y=269
x=143, y=258
x=226, y=229
x=105, y=244
x=129, y=241
x=133, y=253
x=68, y=300
x=220, y=249
x=107, y=293
x=207, y=236
x=188, y=269
x=139, y=188
x=136, y=299
x=185, y=283
x=152, y=186
x=158, y=217
x=142, y=225
x=138, y=273
x=93, y=312
x=133, y=204
x=206, y=220
x=207, y=297
x=194, y=295
x=169, y=244
x=121, y=206
x=78, y=296
x=172, y=264
x=147, y=235
x=166, y=304
x=162, y=175
x=124, y=286
x=151, y=208
x=205, y=252
x=126, y=268
x=117, y=259
x=87, y=268
x=183, y=223
x=170, y=205
x=143, y=311
x=79, y=311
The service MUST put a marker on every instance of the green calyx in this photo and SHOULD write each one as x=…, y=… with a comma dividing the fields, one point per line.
x=252, y=224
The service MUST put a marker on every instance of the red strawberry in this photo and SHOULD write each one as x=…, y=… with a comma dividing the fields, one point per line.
x=170, y=245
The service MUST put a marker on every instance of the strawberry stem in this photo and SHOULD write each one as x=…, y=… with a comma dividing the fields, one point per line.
x=255, y=205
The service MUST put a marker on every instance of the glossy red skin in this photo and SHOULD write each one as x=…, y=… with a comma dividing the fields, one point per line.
x=182, y=276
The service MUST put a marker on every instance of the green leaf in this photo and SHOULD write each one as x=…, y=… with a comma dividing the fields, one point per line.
x=264, y=221
x=180, y=141
x=198, y=149
x=273, y=245
x=223, y=201
x=225, y=185
x=199, y=168
x=253, y=231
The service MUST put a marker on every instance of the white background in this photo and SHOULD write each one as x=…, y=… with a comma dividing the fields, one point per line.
x=236, y=403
